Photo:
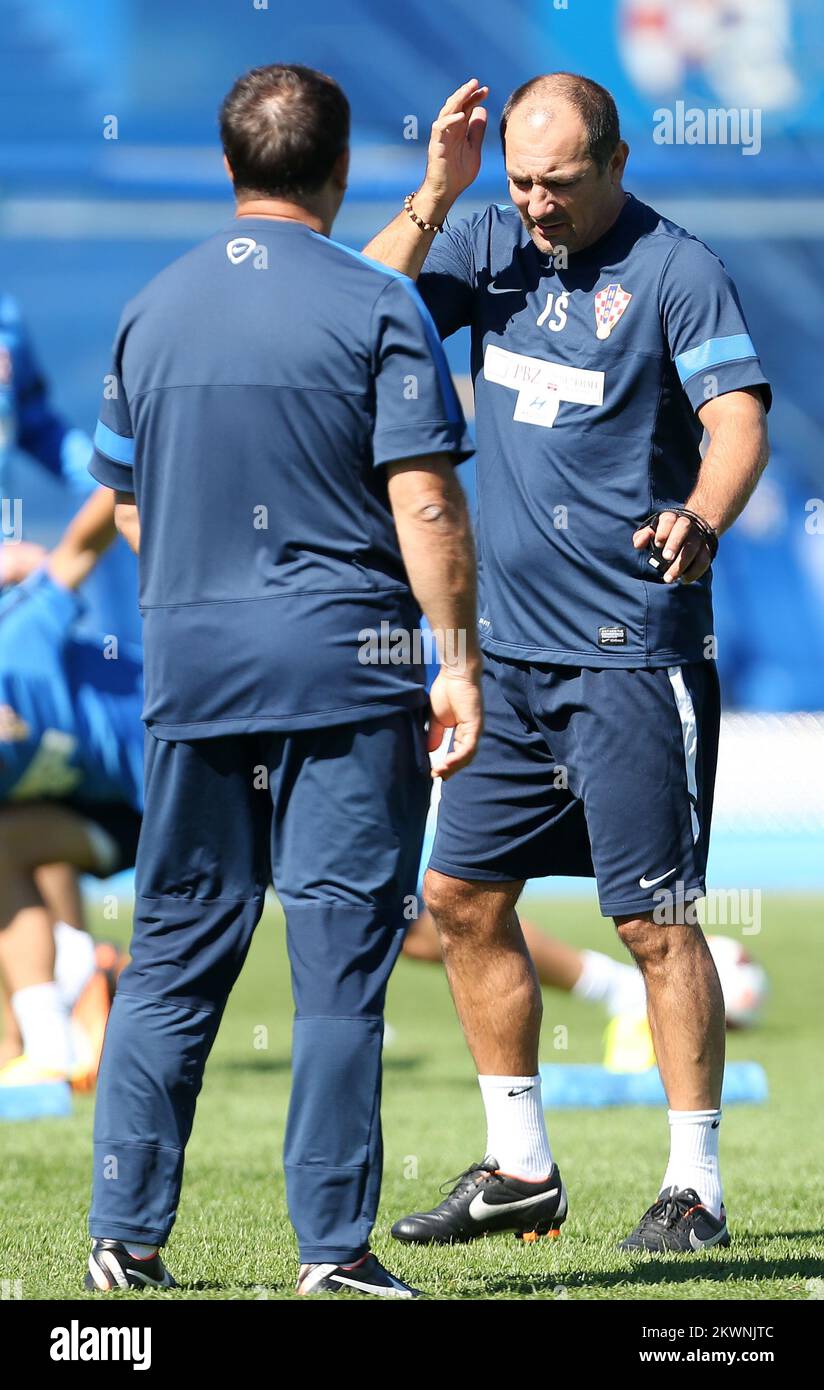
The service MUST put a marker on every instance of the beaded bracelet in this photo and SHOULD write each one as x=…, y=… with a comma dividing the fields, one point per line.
x=419, y=222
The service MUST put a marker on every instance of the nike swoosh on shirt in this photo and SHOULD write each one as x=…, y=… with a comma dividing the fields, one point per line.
x=651, y=882
x=493, y=289
x=478, y=1208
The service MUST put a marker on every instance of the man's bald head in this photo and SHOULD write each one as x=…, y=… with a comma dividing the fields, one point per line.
x=564, y=160
x=543, y=95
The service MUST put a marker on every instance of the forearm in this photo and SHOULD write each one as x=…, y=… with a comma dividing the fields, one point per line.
x=738, y=451
x=438, y=551
x=86, y=538
x=127, y=520
x=403, y=245
x=736, y=458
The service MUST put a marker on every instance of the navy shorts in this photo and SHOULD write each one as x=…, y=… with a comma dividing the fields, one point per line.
x=120, y=825
x=607, y=773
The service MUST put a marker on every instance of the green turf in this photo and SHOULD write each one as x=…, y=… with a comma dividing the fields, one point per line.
x=233, y=1238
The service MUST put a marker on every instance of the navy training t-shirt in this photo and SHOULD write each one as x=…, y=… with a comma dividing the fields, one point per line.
x=258, y=386
x=587, y=383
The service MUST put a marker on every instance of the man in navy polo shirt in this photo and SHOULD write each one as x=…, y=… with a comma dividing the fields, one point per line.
x=277, y=407
x=605, y=340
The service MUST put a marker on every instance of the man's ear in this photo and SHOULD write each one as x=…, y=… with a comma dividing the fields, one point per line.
x=227, y=166
x=618, y=162
x=340, y=170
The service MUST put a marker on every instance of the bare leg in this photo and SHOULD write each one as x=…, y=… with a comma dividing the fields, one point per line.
x=686, y=1008
x=558, y=966
x=26, y=939
x=60, y=891
x=490, y=972
x=30, y=834
x=12, y=1044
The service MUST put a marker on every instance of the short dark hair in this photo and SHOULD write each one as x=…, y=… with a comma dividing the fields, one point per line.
x=282, y=129
x=594, y=104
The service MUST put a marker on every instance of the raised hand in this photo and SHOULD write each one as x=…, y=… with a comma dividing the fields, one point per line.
x=454, y=150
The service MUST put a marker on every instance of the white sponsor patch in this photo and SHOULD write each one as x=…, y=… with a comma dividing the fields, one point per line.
x=537, y=407
x=541, y=385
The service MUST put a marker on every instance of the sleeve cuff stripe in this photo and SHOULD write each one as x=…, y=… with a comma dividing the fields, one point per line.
x=715, y=352
x=114, y=446
x=118, y=476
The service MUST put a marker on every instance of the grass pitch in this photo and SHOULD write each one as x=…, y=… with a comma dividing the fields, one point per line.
x=233, y=1239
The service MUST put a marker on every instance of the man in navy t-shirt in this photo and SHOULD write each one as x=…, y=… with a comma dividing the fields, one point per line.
x=280, y=427
x=605, y=340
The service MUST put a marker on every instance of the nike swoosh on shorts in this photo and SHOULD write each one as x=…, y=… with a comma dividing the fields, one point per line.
x=651, y=882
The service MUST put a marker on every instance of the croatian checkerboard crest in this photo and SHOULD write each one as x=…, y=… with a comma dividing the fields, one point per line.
x=610, y=304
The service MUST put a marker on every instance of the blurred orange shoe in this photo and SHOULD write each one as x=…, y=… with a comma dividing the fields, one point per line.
x=91, y=1013
x=111, y=960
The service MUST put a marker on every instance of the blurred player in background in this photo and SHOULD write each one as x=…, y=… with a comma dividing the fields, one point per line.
x=70, y=799
x=286, y=491
x=605, y=339
x=28, y=421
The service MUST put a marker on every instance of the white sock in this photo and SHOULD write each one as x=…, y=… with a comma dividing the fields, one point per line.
x=43, y=1021
x=73, y=961
x=516, y=1134
x=611, y=982
x=693, y=1160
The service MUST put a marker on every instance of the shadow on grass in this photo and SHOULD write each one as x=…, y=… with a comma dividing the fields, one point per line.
x=797, y=1235
x=653, y=1270
x=210, y=1286
x=283, y=1064
x=259, y=1064
x=402, y=1063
